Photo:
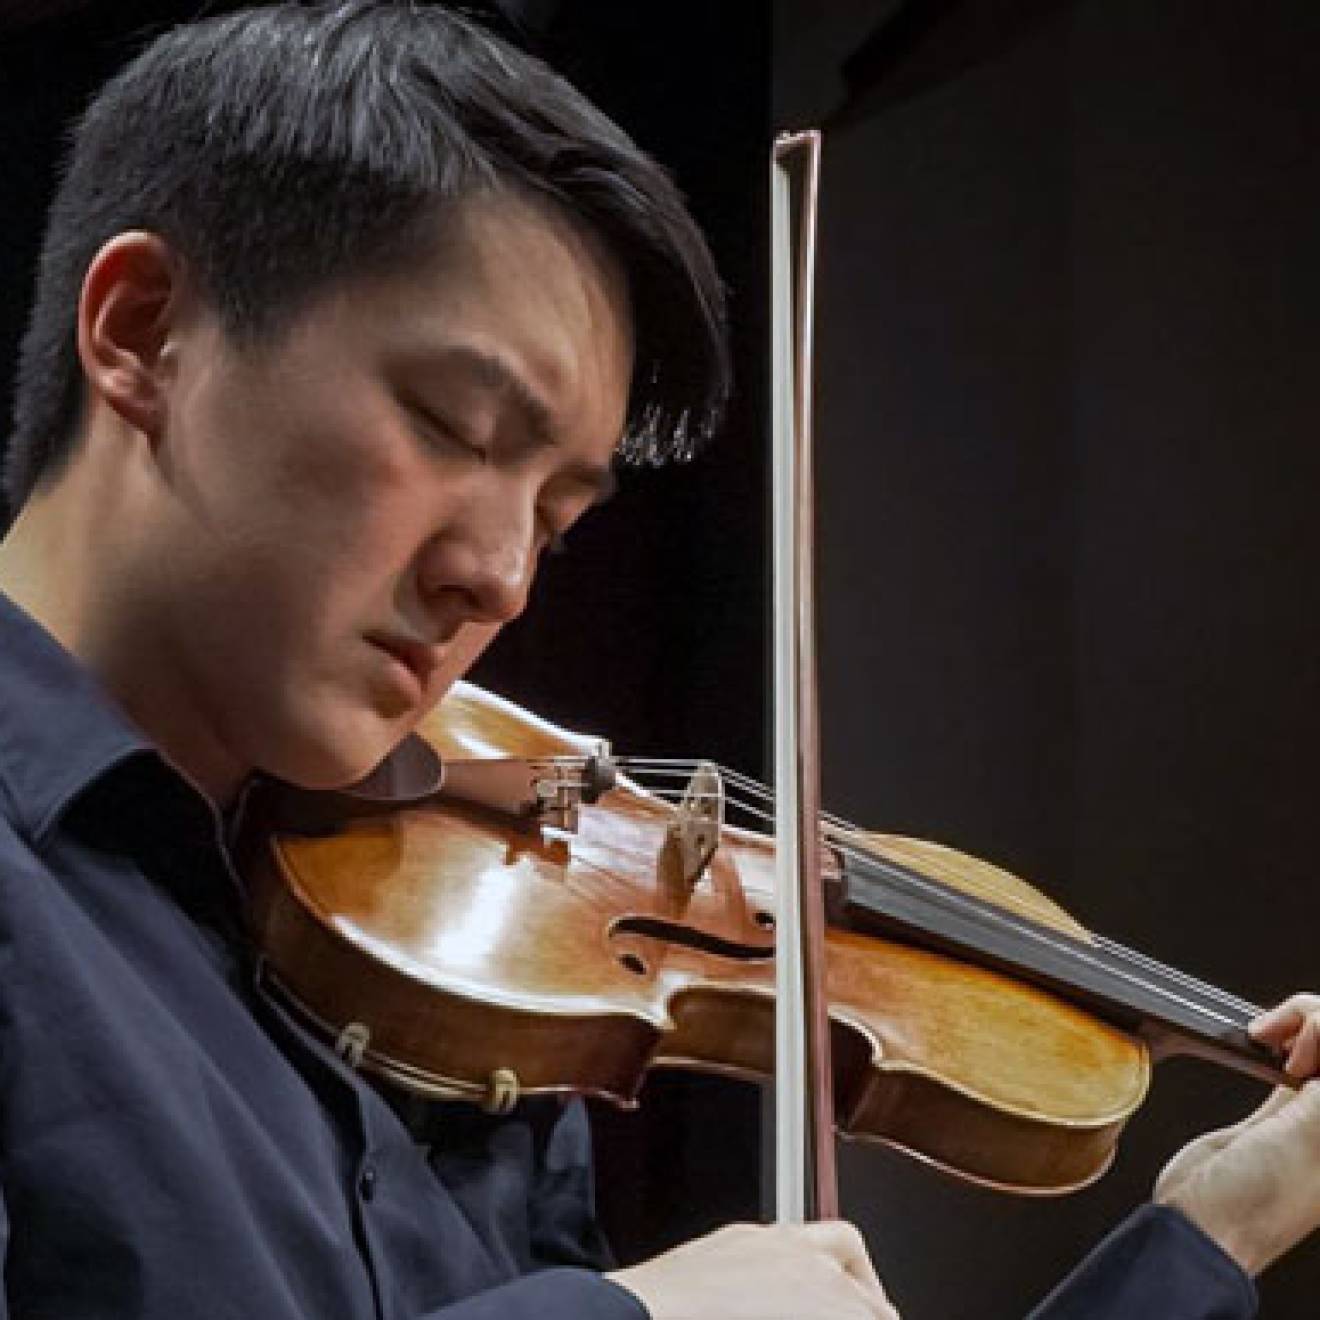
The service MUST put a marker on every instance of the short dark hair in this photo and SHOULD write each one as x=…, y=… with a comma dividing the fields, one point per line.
x=279, y=149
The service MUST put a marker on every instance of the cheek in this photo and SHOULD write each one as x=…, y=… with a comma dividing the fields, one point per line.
x=336, y=562
x=302, y=508
x=321, y=500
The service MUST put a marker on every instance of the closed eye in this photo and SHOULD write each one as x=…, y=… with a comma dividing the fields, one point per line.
x=438, y=430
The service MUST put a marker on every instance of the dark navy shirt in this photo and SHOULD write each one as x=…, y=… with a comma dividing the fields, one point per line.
x=173, y=1143
x=1156, y=1266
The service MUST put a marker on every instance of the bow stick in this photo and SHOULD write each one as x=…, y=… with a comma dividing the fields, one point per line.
x=806, y=1184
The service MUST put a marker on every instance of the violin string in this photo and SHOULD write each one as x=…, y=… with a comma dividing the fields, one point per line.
x=1208, y=999
x=1231, y=1011
x=1231, y=1007
x=1098, y=952
x=1119, y=951
x=1137, y=969
x=1123, y=951
x=1199, y=997
x=675, y=767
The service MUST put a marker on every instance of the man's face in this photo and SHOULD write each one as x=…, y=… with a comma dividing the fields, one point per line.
x=331, y=510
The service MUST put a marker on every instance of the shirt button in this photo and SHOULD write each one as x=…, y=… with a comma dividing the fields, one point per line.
x=367, y=1182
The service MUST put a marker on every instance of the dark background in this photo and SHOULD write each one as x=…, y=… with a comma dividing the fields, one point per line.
x=1067, y=360
x=1068, y=412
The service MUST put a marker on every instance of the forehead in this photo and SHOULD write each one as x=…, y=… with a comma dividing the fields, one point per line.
x=524, y=299
x=520, y=258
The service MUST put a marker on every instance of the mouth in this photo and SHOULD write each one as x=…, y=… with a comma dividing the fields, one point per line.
x=419, y=659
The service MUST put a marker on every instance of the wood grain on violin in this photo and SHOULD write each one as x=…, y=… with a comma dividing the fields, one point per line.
x=464, y=952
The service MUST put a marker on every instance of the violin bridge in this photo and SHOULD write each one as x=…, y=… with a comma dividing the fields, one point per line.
x=693, y=833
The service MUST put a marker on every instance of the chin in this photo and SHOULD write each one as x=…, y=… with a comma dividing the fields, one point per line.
x=319, y=764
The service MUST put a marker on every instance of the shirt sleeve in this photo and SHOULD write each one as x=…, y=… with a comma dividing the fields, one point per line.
x=1156, y=1263
x=526, y=1185
x=567, y=1247
x=557, y=1294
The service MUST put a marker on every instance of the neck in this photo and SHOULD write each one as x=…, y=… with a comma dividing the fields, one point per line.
x=36, y=556
x=76, y=559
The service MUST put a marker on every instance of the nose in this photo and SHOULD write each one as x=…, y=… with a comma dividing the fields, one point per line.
x=480, y=565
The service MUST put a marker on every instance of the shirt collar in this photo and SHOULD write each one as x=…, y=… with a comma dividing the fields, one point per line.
x=59, y=730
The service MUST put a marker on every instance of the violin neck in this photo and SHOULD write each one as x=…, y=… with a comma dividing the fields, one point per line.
x=1175, y=1013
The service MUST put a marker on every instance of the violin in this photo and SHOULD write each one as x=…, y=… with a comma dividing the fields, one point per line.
x=529, y=923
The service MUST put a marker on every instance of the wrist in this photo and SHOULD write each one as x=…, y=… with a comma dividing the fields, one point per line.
x=623, y=1279
x=619, y=1279
x=1236, y=1236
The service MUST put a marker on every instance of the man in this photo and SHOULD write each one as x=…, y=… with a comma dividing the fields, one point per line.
x=343, y=314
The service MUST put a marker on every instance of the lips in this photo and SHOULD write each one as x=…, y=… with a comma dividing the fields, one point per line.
x=419, y=658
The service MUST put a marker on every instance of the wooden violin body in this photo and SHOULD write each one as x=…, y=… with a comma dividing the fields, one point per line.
x=462, y=954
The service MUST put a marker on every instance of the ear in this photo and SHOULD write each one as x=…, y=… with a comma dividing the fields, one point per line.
x=131, y=299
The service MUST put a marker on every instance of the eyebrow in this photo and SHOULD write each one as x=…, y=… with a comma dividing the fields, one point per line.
x=492, y=373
